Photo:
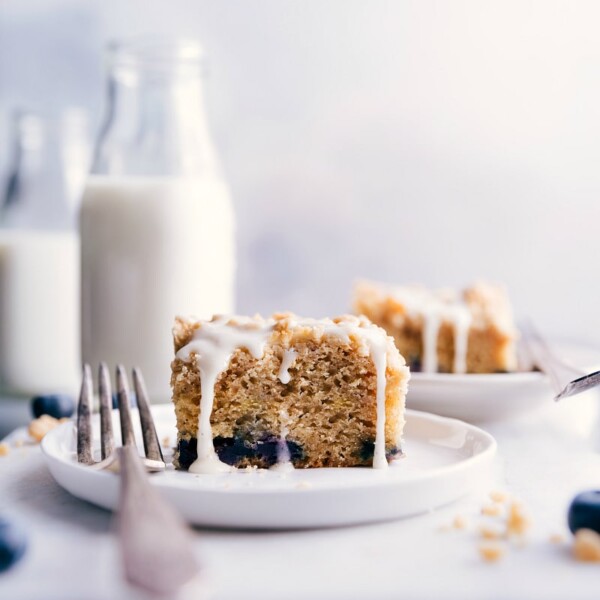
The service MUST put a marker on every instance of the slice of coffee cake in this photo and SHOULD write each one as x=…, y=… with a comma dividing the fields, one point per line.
x=310, y=393
x=447, y=331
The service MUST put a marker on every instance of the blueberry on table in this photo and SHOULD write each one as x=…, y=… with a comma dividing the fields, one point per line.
x=58, y=406
x=13, y=543
x=584, y=512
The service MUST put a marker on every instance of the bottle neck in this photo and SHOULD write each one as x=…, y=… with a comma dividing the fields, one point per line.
x=155, y=125
x=49, y=161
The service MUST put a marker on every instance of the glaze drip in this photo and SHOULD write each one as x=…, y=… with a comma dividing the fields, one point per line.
x=435, y=308
x=289, y=356
x=284, y=460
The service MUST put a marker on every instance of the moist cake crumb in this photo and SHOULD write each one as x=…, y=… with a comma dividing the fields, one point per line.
x=556, y=538
x=586, y=546
x=459, y=522
x=4, y=449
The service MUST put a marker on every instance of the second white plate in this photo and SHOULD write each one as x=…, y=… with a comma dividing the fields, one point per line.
x=444, y=460
x=478, y=398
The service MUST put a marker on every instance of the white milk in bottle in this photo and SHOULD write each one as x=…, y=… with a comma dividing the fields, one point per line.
x=153, y=248
x=39, y=256
x=157, y=224
x=39, y=312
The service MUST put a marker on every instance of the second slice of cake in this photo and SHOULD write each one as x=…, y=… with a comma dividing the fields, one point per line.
x=448, y=331
x=301, y=392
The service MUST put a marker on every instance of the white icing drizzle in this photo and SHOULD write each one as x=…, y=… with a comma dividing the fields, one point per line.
x=284, y=460
x=213, y=345
x=435, y=308
x=431, y=327
x=462, y=323
x=289, y=356
x=379, y=357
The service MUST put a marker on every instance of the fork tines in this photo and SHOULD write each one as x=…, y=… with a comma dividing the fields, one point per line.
x=154, y=457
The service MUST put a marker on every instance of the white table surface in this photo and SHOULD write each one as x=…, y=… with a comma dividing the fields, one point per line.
x=544, y=459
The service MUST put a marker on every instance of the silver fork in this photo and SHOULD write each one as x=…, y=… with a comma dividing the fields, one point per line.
x=155, y=543
x=565, y=379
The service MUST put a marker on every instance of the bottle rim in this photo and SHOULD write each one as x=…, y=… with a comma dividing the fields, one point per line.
x=155, y=53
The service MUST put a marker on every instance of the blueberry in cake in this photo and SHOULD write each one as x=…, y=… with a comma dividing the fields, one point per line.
x=288, y=391
x=449, y=331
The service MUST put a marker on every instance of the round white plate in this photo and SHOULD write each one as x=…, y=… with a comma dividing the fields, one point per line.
x=478, y=398
x=444, y=460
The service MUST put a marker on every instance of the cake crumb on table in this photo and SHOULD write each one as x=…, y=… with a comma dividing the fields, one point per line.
x=490, y=533
x=491, y=510
x=586, y=546
x=459, y=522
x=517, y=522
x=303, y=485
x=491, y=552
x=39, y=427
x=4, y=449
x=498, y=496
x=556, y=538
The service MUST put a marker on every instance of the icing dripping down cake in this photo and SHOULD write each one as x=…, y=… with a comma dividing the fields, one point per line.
x=470, y=331
x=286, y=391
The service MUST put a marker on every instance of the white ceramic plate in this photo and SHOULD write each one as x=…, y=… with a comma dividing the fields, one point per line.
x=444, y=460
x=498, y=396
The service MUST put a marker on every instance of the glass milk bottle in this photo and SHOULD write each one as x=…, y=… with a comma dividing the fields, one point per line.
x=157, y=227
x=39, y=255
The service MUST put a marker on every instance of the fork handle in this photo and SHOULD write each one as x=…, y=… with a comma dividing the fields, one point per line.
x=155, y=543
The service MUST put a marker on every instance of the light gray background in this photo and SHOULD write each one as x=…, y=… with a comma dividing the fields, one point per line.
x=422, y=141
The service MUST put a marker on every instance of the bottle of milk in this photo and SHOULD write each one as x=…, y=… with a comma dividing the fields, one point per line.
x=39, y=255
x=157, y=226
